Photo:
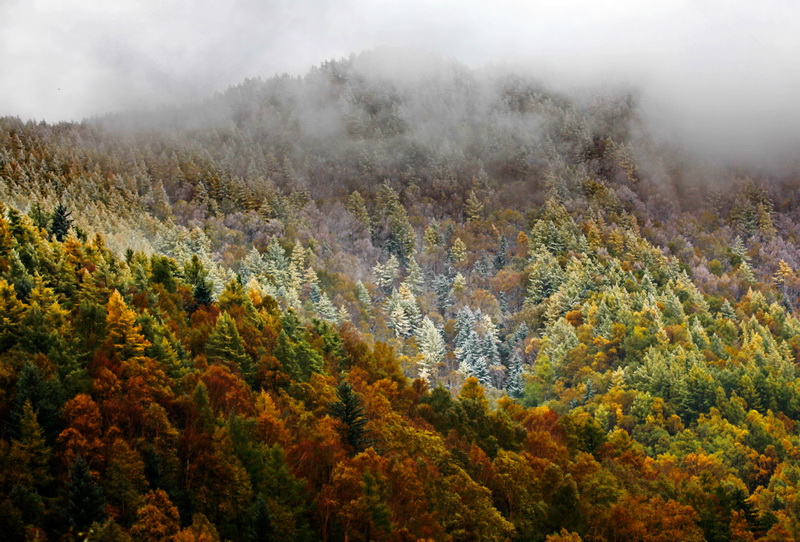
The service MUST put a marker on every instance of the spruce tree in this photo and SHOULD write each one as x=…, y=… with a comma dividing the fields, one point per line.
x=226, y=345
x=85, y=501
x=61, y=222
x=349, y=411
x=431, y=347
x=514, y=384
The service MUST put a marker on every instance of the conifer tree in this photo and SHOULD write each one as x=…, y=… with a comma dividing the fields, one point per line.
x=358, y=208
x=431, y=348
x=414, y=279
x=473, y=208
x=348, y=410
x=362, y=295
x=458, y=252
x=326, y=308
x=61, y=222
x=441, y=286
x=85, y=501
x=225, y=345
x=514, y=383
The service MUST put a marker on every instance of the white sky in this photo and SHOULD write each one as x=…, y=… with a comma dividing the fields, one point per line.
x=725, y=71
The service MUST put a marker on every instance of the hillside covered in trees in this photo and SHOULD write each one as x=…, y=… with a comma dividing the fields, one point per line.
x=442, y=304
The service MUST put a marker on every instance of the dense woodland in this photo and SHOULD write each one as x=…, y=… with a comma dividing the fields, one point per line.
x=442, y=304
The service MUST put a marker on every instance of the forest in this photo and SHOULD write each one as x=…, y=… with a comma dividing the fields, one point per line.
x=446, y=304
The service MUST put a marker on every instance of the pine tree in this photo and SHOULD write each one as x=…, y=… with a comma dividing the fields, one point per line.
x=262, y=529
x=431, y=237
x=348, y=410
x=362, y=295
x=546, y=276
x=386, y=274
x=358, y=208
x=431, y=347
x=488, y=345
x=414, y=279
x=275, y=265
x=61, y=223
x=441, y=287
x=514, y=384
x=500, y=260
x=31, y=450
x=85, y=501
x=326, y=309
x=458, y=252
x=473, y=208
x=253, y=266
x=225, y=345
x=399, y=321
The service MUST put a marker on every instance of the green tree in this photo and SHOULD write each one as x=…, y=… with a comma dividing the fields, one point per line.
x=225, y=345
x=61, y=222
x=85, y=501
x=349, y=411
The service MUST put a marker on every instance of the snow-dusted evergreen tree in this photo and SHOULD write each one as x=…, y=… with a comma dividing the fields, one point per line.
x=465, y=319
x=276, y=265
x=327, y=309
x=399, y=321
x=441, y=286
x=431, y=348
x=546, y=276
x=403, y=300
x=253, y=266
x=467, y=352
x=414, y=279
x=514, y=384
x=385, y=274
x=362, y=295
x=489, y=342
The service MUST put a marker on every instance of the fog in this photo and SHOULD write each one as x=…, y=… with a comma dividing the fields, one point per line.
x=719, y=76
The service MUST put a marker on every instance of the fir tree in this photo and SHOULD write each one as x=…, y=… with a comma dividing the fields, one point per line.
x=61, y=222
x=514, y=383
x=414, y=279
x=431, y=347
x=326, y=309
x=348, y=410
x=473, y=208
x=441, y=286
x=362, y=295
x=262, y=529
x=85, y=501
x=226, y=345
x=500, y=260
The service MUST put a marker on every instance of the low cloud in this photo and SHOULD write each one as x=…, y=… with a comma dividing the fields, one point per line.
x=714, y=75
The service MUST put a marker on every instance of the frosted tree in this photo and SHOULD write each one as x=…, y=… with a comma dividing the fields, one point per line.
x=457, y=254
x=441, y=286
x=489, y=342
x=546, y=276
x=402, y=301
x=414, y=279
x=473, y=208
x=399, y=322
x=515, y=386
x=431, y=348
x=327, y=309
x=386, y=274
x=465, y=319
x=313, y=285
x=276, y=265
x=253, y=266
x=362, y=295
